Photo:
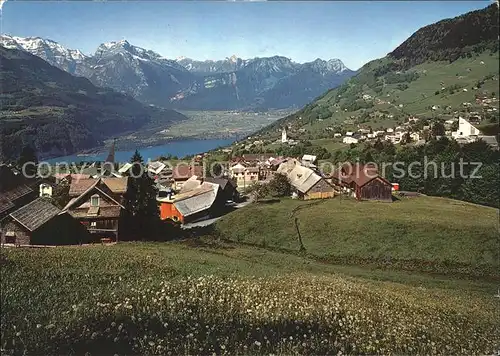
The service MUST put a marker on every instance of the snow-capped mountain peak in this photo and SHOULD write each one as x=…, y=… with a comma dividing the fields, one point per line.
x=49, y=50
x=44, y=48
x=124, y=47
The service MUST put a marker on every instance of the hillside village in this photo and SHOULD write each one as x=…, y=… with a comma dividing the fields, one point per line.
x=365, y=223
x=398, y=128
x=95, y=196
x=187, y=192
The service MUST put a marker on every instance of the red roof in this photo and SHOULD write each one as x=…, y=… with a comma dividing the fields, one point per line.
x=182, y=171
x=359, y=174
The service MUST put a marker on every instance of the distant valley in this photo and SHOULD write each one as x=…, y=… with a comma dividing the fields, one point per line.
x=60, y=114
x=229, y=84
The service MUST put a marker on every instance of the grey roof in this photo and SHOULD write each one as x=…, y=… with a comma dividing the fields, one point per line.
x=5, y=205
x=35, y=214
x=156, y=167
x=200, y=201
x=223, y=182
x=490, y=140
x=303, y=178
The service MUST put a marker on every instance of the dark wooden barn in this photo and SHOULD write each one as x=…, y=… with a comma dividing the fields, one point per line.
x=41, y=223
x=364, y=182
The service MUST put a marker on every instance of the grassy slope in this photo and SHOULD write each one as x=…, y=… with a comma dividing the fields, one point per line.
x=416, y=99
x=99, y=282
x=430, y=232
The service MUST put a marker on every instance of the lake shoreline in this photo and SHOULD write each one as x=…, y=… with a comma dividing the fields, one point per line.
x=180, y=147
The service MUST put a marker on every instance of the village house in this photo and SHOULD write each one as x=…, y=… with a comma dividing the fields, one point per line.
x=115, y=187
x=45, y=190
x=393, y=138
x=308, y=161
x=124, y=170
x=41, y=223
x=62, y=178
x=305, y=182
x=465, y=129
x=182, y=172
x=350, y=139
x=256, y=159
x=245, y=176
x=98, y=204
x=363, y=182
x=227, y=186
x=195, y=204
x=160, y=171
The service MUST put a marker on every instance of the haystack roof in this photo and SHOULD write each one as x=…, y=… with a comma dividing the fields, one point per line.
x=303, y=178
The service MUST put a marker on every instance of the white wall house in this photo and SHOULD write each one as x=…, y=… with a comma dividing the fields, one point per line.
x=393, y=138
x=45, y=190
x=465, y=129
x=349, y=139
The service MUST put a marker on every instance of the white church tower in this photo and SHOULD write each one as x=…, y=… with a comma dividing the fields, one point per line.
x=283, y=136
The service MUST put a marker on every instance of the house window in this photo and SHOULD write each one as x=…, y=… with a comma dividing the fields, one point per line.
x=94, y=200
x=93, y=224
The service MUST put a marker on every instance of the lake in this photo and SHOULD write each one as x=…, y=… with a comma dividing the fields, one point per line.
x=175, y=148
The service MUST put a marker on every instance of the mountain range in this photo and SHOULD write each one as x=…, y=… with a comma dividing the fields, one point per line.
x=231, y=83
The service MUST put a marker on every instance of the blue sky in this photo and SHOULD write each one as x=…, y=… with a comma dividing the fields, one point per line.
x=354, y=32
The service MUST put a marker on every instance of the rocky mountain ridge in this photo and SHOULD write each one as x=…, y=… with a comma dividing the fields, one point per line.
x=232, y=83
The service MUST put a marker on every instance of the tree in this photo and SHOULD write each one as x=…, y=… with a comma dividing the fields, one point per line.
x=280, y=185
x=484, y=188
x=438, y=129
x=28, y=157
x=406, y=138
x=257, y=190
x=60, y=195
x=141, y=209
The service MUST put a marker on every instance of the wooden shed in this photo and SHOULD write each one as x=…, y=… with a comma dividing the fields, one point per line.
x=364, y=182
x=41, y=223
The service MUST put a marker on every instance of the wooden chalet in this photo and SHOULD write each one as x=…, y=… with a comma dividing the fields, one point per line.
x=228, y=187
x=41, y=223
x=98, y=205
x=115, y=187
x=363, y=181
x=181, y=173
x=306, y=183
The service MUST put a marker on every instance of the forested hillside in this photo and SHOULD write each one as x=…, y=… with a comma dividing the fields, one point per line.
x=451, y=39
x=60, y=114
